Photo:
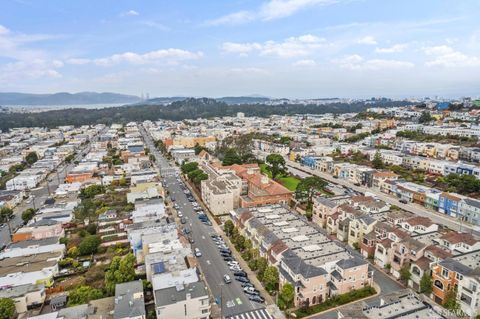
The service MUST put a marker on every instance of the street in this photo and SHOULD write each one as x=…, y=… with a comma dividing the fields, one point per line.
x=212, y=265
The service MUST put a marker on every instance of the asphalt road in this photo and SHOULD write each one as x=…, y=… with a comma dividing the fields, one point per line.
x=416, y=209
x=211, y=263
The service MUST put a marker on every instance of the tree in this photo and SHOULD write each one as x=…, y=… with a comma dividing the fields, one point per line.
x=308, y=187
x=228, y=227
x=83, y=294
x=31, y=158
x=262, y=264
x=426, y=284
x=188, y=167
x=426, y=117
x=7, y=308
x=92, y=228
x=73, y=252
x=405, y=273
x=28, y=214
x=276, y=165
x=92, y=191
x=198, y=148
x=89, y=245
x=231, y=157
x=451, y=303
x=377, y=161
x=285, y=298
x=240, y=243
x=6, y=214
x=270, y=278
x=120, y=270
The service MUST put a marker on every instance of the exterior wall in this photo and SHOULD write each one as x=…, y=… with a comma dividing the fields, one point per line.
x=78, y=178
x=187, y=309
x=355, y=278
x=442, y=283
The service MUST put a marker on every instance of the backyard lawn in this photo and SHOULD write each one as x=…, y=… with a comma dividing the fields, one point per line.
x=290, y=182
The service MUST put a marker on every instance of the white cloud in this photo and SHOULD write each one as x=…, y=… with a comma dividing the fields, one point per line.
x=233, y=19
x=446, y=56
x=356, y=62
x=168, y=56
x=368, y=40
x=393, y=49
x=290, y=47
x=129, y=13
x=304, y=63
x=271, y=10
x=33, y=69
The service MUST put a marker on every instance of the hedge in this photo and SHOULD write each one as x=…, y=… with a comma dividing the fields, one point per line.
x=336, y=301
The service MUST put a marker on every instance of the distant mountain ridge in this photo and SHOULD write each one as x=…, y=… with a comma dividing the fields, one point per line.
x=64, y=98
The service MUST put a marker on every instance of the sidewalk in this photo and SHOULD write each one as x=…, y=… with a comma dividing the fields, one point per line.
x=251, y=275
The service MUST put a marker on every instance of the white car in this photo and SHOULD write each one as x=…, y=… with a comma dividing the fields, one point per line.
x=180, y=214
x=198, y=253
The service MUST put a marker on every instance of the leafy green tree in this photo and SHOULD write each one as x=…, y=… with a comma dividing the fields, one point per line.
x=276, y=165
x=91, y=191
x=451, y=302
x=231, y=157
x=377, y=162
x=270, y=278
x=73, y=252
x=405, y=273
x=426, y=117
x=228, y=227
x=240, y=243
x=426, y=284
x=91, y=228
x=188, y=167
x=262, y=264
x=7, y=308
x=307, y=188
x=28, y=214
x=285, y=298
x=83, y=294
x=89, y=245
x=198, y=148
x=31, y=158
x=120, y=270
x=6, y=214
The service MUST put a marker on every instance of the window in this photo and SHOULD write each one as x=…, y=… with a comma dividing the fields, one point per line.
x=437, y=283
x=459, y=276
x=445, y=273
x=204, y=310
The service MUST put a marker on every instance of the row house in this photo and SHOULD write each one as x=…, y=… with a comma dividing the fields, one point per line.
x=419, y=225
x=458, y=243
x=470, y=210
x=451, y=276
x=432, y=255
x=449, y=203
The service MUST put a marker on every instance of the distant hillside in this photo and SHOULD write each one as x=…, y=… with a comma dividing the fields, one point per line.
x=190, y=108
x=243, y=99
x=65, y=98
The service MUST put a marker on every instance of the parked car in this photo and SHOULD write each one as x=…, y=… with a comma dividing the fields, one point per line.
x=403, y=201
x=183, y=220
x=225, y=255
x=198, y=253
x=251, y=293
x=246, y=284
x=250, y=289
x=228, y=258
x=191, y=240
x=240, y=273
x=256, y=298
x=180, y=214
x=227, y=279
x=241, y=279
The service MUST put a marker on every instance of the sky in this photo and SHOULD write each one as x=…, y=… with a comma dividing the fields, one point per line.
x=275, y=48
